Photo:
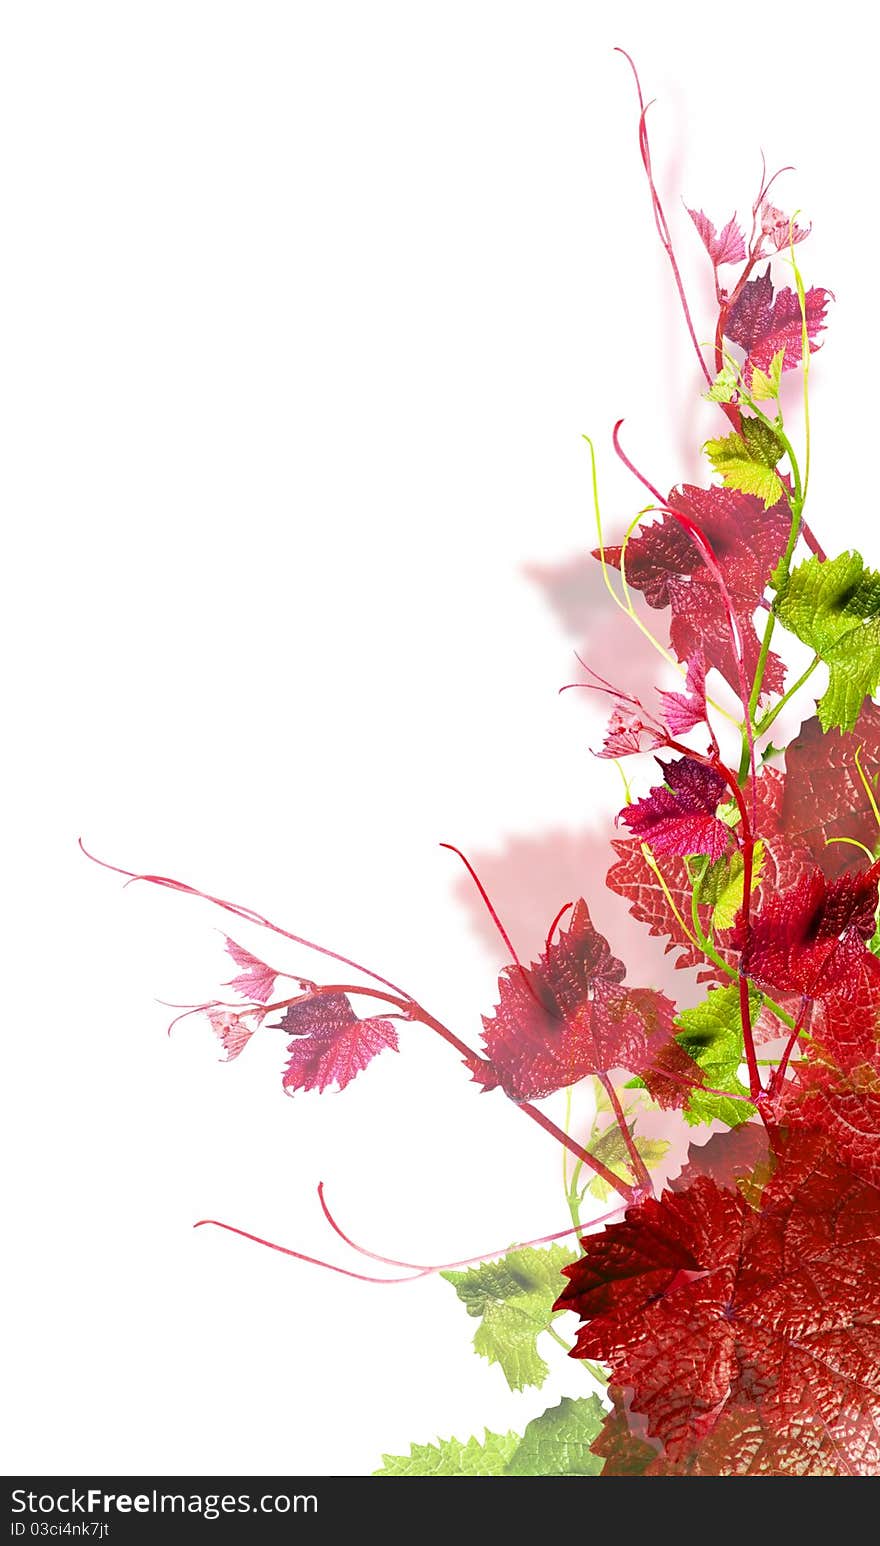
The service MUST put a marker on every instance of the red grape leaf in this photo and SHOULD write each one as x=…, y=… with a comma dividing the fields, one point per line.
x=331, y=1045
x=836, y=1085
x=843, y=1104
x=665, y=565
x=762, y=323
x=678, y=817
x=785, y=856
x=750, y=1340
x=824, y=796
x=632, y=877
x=569, y=1015
x=846, y=1025
x=810, y=940
x=672, y=1075
x=727, y=1158
x=257, y=980
x=726, y=246
x=620, y=1445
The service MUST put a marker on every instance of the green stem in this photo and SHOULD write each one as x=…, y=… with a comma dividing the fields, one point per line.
x=771, y=714
x=796, y=503
x=591, y=1368
x=796, y=508
x=572, y=1197
x=796, y=498
x=557, y=1338
x=709, y=950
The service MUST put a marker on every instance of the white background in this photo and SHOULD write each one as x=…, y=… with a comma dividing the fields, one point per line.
x=306, y=307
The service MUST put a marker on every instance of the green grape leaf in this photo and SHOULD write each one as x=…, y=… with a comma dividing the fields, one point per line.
x=765, y=385
x=834, y=607
x=555, y=1444
x=712, y=1034
x=721, y=883
x=558, y=1442
x=611, y=1149
x=747, y=461
x=725, y=386
x=729, y=896
x=513, y=1299
x=712, y=877
x=449, y=1457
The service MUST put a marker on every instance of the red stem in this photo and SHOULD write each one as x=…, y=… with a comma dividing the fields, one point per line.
x=466, y=1261
x=399, y=998
x=779, y=1073
x=241, y=912
x=660, y=218
x=490, y=908
x=747, y=848
x=756, y=1089
x=607, y=1175
x=414, y=1012
x=640, y=1170
x=706, y=552
x=691, y=1084
x=314, y=1261
x=558, y=919
x=411, y=1277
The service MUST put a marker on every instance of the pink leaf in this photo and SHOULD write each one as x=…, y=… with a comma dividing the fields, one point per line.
x=629, y=721
x=257, y=980
x=780, y=229
x=331, y=1044
x=728, y=247
x=627, y=734
x=232, y=1030
x=683, y=710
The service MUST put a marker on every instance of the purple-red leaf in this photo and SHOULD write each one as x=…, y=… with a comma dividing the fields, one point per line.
x=763, y=323
x=665, y=565
x=621, y=1443
x=663, y=908
x=569, y=1015
x=331, y=1044
x=728, y=1157
x=836, y=1085
x=680, y=819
